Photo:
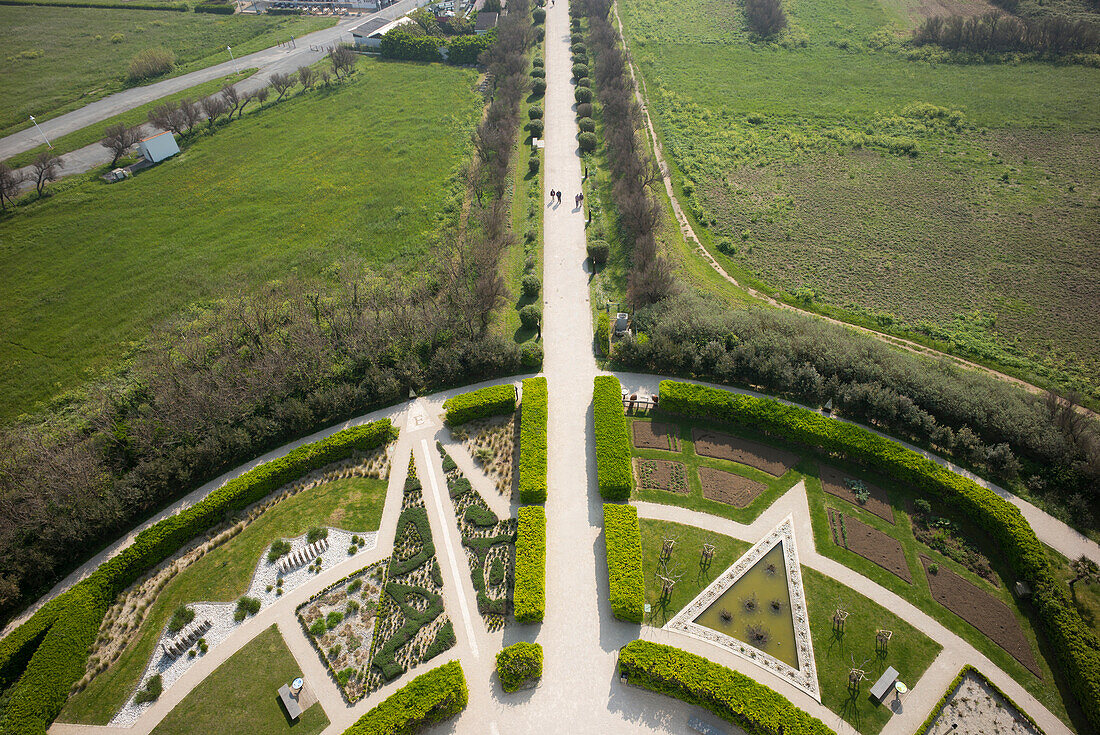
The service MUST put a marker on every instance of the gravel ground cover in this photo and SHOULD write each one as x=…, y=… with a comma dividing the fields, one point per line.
x=845, y=487
x=654, y=435
x=976, y=708
x=870, y=543
x=659, y=474
x=726, y=487
x=735, y=449
x=982, y=610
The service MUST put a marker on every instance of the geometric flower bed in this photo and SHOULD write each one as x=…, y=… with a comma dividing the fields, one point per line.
x=490, y=545
x=492, y=442
x=411, y=627
x=340, y=623
x=729, y=488
x=763, y=457
x=870, y=543
x=857, y=492
x=974, y=706
x=654, y=435
x=659, y=474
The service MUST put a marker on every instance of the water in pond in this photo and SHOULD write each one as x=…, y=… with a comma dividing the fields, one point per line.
x=756, y=609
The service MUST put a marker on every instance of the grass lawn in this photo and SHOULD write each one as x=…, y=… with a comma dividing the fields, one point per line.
x=364, y=170
x=354, y=504
x=240, y=696
x=788, y=156
x=910, y=651
x=59, y=59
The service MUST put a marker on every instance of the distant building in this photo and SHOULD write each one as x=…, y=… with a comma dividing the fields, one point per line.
x=157, y=147
x=485, y=22
x=369, y=34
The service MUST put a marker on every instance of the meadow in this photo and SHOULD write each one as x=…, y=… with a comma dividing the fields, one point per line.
x=55, y=60
x=951, y=202
x=362, y=171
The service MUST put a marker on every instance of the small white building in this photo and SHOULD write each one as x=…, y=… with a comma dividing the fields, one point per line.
x=157, y=147
x=369, y=35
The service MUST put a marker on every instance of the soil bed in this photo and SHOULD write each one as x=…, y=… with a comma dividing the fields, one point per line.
x=976, y=708
x=761, y=456
x=658, y=474
x=982, y=610
x=870, y=543
x=654, y=435
x=835, y=482
x=726, y=487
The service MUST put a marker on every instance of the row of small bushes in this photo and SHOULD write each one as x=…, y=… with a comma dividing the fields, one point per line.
x=519, y=663
x=428, y=699
x=478, y=404
x=529, y=597
x=612, y=439
x=532, y=442
x=623, y=538
x=460, y=50
x=727, y=693
x=1076, y=647
x=73, y=617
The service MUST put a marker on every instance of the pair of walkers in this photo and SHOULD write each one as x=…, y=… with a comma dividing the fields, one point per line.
x=555, y=196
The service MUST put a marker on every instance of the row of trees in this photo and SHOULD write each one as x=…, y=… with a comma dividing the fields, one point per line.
x=1050, y=35
x=45, y=168
x=633, y=169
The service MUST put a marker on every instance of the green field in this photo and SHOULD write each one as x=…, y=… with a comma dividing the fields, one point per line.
x=58, y=59
x=363, y=170
x=224, y=574
x=957, y=203
x=240, y=696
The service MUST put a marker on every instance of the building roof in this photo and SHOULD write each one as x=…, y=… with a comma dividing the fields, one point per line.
x=485, y=21
x=163, y=132
x=366, y=29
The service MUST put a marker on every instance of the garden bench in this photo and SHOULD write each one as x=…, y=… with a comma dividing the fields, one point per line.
x=699, y=726
x=884, y=684
x=293, y=709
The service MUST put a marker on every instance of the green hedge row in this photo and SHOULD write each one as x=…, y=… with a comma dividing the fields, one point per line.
x=532, y=442
x=478, y=404
x=429, y=698
x=73, y=618
x=1076, y=647
x=612, y=439
x=529, y=598
x=623, y=538
x=603, y=333
x=729, y=694
x=519, y=663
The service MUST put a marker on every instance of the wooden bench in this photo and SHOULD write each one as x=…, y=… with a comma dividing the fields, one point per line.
x=290, y=702
x=884, y=684
x=699, y=726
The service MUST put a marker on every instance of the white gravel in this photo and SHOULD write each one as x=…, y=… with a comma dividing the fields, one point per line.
x=220, y=614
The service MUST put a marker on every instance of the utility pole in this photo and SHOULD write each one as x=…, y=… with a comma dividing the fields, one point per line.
x=41, y=133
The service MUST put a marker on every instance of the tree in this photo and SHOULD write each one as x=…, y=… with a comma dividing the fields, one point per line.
x=168, y=117
x=261, y=95
x=9, y=184
x=119, y=138
x=342, y=59
x=245, y=99
x=213, y=107
x=233, y=99
x=282, y=83
x=191, y=112
x=765, y=17
x=1084, y=569
x=44, y=169
x=305, y=76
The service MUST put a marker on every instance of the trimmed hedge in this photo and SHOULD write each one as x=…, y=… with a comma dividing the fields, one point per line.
x=603, y=333
x=429, y=698
x=529, y=598
x=464, y=50
x=478, y=404
x=612, y=439
x=519, y=663
x=73, y=618
x=727, y=693
x=398, y=44
x=532, y=442
x=623, y=538
x=1076, y=647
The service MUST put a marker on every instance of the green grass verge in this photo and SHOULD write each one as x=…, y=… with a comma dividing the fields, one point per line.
x=354, y=504
x=240, y=696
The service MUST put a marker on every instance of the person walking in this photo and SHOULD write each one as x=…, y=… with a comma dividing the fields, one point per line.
x=553, y=195
x=559, y=196
x=580, y=200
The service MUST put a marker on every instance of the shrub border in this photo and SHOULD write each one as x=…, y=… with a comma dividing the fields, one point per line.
x=612, y=439
x=529, y=592
x=532, y=441
x=492, y=400
x=430, y=698
x=623, y=541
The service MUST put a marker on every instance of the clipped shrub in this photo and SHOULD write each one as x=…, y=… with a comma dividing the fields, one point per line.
x=584, y=82
x=584, y=109
x=464, y=50
x=728, y=694
x=623, y=539
x=534, y=111
x=426, y=700
x=580, y=59
x=612, y=439
x=603, y=333
x=533, y=164
x=152, y=62
x=538, y=62
x=538, y=73
x=580, y=70
x=578, y=48
x=587, y=125
x=535, y=127
x=538, y=86
x=531, y=285
x=587, y=141
x=532, y=442
x=478, y=404
x=519, y=663
x=399, y=44
x=582, y=94
x=538, y=15
x=529, y=598
x=598, y=251
x=530, y=355
x=530, y=316
x=482, y=517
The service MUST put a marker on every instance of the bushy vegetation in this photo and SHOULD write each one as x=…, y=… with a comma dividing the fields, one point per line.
x=152, y=62
x=1052, y=35
x=1073, y=643
x=494, y=400
x=613, y=469
x=519, y=663
x=765, y=17
x=530, y=590
x=532, y=442
x=623, y=540
x=729, y=694
x=429, y=698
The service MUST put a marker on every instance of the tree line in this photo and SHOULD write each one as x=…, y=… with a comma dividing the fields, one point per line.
x=1048, y=35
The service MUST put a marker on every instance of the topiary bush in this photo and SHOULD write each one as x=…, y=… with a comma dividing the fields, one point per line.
x=529, y=598
x=519, y=663
x=584, y=82
x=587, y=125
x=534, y=111
x=426, y=700
x=598, y=251
x=531, y=285
x=587, y=141
x=538, y=73
x=538, y=62
x=538, y=15
x=530, y=355
x=584, y=110
x=478, y=404
x=535, y=127
x=538, y=87
x=612, y=439
x=578, y=48
x=623, y=540
x=530, y=316
x=603, y=333
x=532, y=442
x=533, y=164
x=580, y=70
x=582, y=94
